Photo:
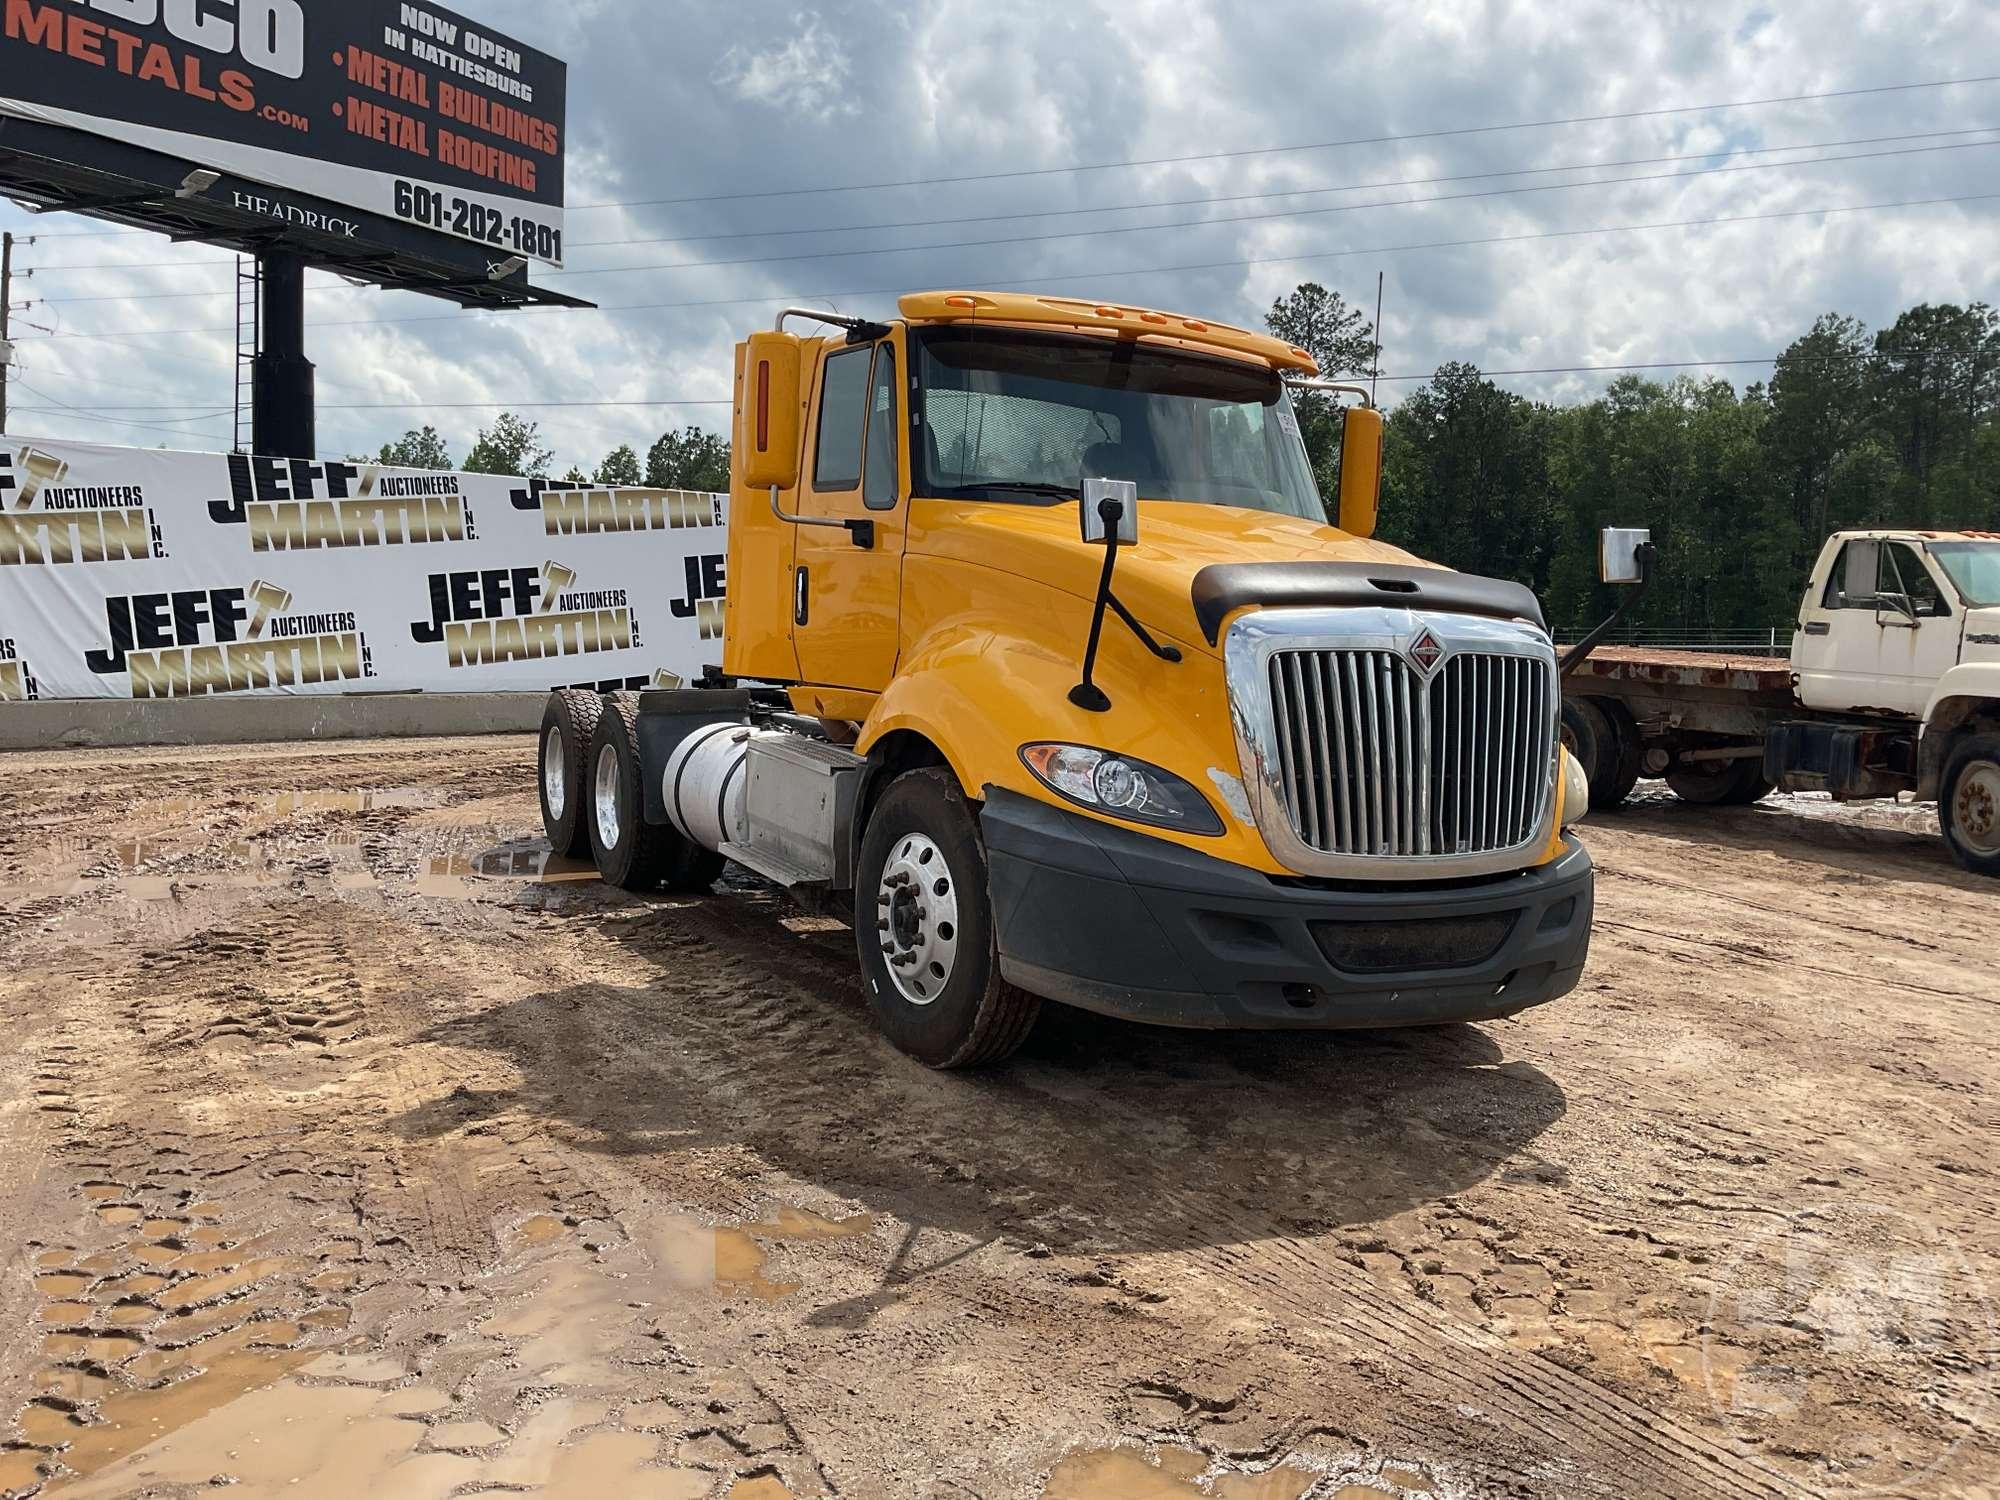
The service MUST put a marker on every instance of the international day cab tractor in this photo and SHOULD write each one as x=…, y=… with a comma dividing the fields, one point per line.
x=1042, y=657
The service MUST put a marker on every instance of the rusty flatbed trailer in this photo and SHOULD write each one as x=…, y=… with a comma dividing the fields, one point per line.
x=1734, y=694
x=1699, y=718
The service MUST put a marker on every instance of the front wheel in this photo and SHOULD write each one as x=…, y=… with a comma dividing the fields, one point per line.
x=923, y=922
x=1970, y=807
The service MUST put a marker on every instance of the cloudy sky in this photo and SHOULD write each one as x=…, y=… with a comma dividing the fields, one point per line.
x=770, y=129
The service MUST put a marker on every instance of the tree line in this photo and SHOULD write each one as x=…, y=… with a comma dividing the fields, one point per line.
x=1896, y=427
x=689, y=459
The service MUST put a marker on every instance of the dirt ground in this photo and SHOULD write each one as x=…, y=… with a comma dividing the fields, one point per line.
x=351, y=1148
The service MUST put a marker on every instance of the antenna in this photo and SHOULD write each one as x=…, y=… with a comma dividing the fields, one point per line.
x=1375, y=377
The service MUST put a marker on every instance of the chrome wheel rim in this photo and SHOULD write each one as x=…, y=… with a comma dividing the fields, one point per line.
x=916, y=919
x=555, y=786
x=607, y=797
x=1975, y=807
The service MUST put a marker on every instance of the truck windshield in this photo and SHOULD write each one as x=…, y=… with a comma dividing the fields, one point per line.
x=1974, y=567
x=1026, y=417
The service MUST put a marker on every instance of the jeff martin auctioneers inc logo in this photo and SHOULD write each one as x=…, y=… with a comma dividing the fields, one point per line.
x=294, y=505
x=488, y=615
x=195, y=642
x=1834, y=1302
x=44, y=520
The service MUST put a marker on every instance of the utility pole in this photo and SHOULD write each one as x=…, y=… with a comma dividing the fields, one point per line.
x=6, y=298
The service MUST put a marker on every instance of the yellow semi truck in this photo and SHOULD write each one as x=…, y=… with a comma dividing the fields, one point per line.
x=1042, y=657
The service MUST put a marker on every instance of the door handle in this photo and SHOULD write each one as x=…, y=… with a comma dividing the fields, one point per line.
x=1818, y=627
x=801, y=586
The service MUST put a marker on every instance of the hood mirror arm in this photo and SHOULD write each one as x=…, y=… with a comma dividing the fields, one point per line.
x=1087, y=695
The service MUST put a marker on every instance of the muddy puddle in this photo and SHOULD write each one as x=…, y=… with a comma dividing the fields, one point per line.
x=468, y=876
x=731, y=1258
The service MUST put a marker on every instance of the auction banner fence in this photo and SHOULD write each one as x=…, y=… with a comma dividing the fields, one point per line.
x=132, y=573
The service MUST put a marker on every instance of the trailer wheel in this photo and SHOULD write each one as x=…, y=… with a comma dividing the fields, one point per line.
x=924, y=925
x=1601, y=735
x=567, y=726
x=1730, y=783
x=1970, y=807
x=631, y=853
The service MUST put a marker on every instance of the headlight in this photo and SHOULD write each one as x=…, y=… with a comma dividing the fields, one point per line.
x=1576, y=789
x=1121, y=786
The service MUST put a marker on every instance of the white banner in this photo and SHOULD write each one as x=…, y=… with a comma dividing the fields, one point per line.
x=133, y=573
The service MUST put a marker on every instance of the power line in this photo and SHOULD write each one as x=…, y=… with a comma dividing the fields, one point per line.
x=1294, y=192
x=1047, y=280
x=1658, y=364
x=1338, y=208
x=1097, y=233
x=1375, y=140
x=1062, y=213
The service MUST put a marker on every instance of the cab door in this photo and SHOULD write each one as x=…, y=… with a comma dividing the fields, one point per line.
x=847, y=577
x=1880, y=634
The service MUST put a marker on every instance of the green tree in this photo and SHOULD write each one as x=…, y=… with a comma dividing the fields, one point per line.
x=419, y=448
x=620, y=467
x=1467, y=479
x=512, y=445
x=690, y=459
x=1343, y=342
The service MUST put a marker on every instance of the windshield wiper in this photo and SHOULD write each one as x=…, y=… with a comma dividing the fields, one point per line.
x=1008, y=487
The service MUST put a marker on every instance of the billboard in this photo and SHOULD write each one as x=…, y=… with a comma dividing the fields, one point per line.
x=397, y=108
x=141, y=574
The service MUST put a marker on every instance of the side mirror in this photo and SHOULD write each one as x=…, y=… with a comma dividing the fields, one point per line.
x=1123, y=494
x=1896, y=604
x=1622, y=554
x=1361, y=470
x=769, y=404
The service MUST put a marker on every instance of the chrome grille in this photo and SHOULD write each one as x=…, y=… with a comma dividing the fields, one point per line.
x=1376, y=761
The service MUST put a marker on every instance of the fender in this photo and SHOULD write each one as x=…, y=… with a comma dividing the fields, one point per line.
x=1966, y=692
x=991, y=672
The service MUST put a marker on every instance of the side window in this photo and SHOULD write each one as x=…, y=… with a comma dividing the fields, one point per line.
x=843, y=405
x=1855, y=574
x=879, y=491
x=1903, y=572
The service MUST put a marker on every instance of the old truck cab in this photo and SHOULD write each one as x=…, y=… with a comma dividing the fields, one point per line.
x=1042, y=652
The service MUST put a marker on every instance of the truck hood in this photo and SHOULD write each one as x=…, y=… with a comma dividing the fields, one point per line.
x=1156, y=578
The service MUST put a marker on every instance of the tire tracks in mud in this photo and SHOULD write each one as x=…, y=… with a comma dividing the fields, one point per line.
x=802, y=1012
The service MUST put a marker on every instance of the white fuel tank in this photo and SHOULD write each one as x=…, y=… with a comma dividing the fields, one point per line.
x=704, y=785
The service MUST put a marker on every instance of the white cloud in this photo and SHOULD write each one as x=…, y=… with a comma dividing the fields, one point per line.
x=805, y=74
x=699, y=103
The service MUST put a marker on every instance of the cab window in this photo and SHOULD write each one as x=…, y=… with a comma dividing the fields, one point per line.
x=1903, y=572
x=1868, y=569
x=879, y=491
x=843, y=409
x=1853, y=583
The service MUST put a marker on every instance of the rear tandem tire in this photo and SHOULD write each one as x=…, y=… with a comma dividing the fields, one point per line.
x=568, y=724
x=922, y=871
x=629, y=852
x=1969, y=804
x=1735, y=783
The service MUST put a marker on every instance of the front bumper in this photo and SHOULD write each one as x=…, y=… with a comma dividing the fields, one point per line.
x=1111, y=920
